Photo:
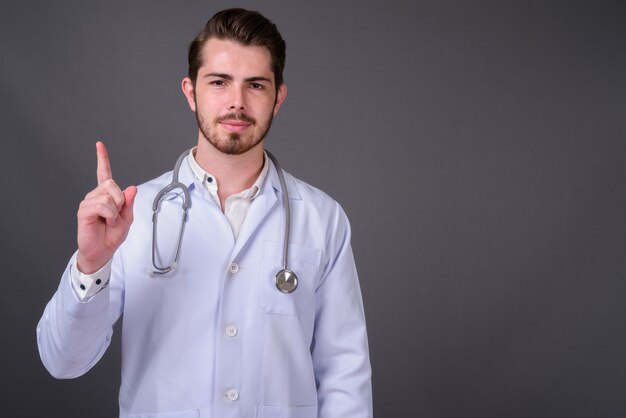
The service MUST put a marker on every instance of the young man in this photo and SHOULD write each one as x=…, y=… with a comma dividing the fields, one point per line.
x=210, y=330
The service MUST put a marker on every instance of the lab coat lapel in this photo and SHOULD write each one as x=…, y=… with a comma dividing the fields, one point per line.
x=266, y=201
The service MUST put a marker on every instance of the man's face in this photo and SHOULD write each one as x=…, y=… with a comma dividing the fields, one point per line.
x=234, y=97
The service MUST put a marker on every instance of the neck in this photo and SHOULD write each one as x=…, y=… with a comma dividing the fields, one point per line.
x=234, y=173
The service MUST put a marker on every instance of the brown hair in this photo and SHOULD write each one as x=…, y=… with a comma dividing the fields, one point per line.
x=246, y=27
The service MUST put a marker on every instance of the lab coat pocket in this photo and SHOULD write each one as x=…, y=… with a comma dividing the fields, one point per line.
x=286, y=412
x=190, y=413
x=304, y=262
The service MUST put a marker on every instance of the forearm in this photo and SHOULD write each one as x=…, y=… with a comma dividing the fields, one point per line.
x=72, y=335
x=341, y=361
x=340, y=350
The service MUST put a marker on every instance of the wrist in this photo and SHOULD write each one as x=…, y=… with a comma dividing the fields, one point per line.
x=86, y=266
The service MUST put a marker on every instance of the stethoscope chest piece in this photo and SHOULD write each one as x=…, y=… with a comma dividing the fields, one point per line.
x=286, y=281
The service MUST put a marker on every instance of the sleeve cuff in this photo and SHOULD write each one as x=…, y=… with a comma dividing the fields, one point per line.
x=87, y=285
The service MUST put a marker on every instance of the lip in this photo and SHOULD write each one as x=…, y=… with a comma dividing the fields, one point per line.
x=234, y=125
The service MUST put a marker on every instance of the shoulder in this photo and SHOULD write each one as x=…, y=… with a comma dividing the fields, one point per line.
x=156, y=183
x=148, y=190
x=311, y=198
x=301, y=190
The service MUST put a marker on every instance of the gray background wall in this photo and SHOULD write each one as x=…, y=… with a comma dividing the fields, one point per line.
x=478, y=148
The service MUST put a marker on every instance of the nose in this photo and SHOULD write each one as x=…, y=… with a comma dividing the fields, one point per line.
x=237, y=99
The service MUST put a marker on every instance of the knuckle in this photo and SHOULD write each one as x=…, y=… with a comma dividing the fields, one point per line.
x=109, y=183
x=105, y=199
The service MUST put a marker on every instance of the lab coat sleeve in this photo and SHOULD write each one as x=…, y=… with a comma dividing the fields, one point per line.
x=72, y=335
x=340, y=349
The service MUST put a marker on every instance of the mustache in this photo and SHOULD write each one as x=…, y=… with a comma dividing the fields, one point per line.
x=236, y=116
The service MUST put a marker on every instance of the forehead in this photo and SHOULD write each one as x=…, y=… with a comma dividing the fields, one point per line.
x=230, y=57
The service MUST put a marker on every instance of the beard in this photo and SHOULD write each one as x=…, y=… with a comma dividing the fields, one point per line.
x=234, y=143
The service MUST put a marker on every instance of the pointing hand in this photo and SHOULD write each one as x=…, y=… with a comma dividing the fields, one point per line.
x=104, y=218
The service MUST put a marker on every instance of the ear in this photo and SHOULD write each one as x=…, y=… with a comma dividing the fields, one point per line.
x=188, y=91
x=280, y=97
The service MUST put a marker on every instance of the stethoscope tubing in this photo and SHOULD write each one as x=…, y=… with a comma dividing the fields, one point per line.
x=286, y=280
x=175, y=184
x=287, y=207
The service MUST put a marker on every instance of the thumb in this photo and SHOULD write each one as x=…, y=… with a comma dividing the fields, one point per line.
x=129, y=199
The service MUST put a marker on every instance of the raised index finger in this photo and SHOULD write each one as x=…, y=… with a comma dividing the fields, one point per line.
x=104, y=167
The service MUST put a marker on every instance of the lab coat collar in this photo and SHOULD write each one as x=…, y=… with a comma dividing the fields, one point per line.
x=274, y=181
x=269, y=198
x=186, y=177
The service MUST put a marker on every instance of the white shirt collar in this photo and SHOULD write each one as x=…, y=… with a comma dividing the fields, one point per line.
x=210, y=182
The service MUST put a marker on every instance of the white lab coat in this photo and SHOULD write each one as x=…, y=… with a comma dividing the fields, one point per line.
x=215, y=338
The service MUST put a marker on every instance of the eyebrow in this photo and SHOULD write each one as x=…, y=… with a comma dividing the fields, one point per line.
x=230, y=77
x=258, y=78
x=219, y=75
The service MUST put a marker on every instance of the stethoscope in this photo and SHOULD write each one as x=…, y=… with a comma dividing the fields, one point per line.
x=286, y=280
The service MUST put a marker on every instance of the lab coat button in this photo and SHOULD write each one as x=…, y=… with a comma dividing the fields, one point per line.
x=232, y=394
x=234, y=268
x=231, y=330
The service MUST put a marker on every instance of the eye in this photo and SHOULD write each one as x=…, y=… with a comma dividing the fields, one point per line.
x=218, y=83
x=256, y=86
